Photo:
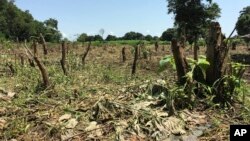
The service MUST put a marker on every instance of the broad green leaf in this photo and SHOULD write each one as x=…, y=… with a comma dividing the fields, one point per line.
x=165, y=61
x=203, y=64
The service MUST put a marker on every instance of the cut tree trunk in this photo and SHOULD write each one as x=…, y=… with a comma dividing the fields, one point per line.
x=217, y=54
x=196, y=48
x=156, y=46
x=86, y=53
x=135, y=60
x=63, y=60
x=43, y=71
x=31, y=62
x=45, y=50
x=41, y=67
x=21, y=59
x=180, y=60
x=35, y=48
x=12, y=70
x=123, y=54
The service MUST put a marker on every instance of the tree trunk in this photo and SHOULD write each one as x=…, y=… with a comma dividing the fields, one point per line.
x=135, y=60
x=45, y=50
x=180, y=60
x=86, y=53
x=35, y=48
x=163, y=48
x=156, y=46
x=21, y=59
x=31, y=62
x=43, y=71
x=196, y=48
x=138, y=51
x=234, y=46
x=12, y=70
x=217, y=54
x=123, y=54
x=63, y=60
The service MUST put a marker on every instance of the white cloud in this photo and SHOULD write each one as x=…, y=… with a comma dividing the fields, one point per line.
x=148, y=31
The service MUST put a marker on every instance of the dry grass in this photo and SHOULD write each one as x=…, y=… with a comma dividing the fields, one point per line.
x=102, y=91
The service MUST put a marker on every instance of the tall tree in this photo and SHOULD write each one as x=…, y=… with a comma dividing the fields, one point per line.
x=111, y=38
x=52, y=34
x=82, y=38
x=133, y=36
x=192, y=16
x=169, y=34
x=51, y=23
x=243, y=23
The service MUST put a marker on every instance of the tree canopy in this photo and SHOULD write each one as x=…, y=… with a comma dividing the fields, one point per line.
x=193, y=16
x=82, y=38
x=15, y=23
x=133, y=36
x=169, y=34
x=243, y=23
x=111, y=38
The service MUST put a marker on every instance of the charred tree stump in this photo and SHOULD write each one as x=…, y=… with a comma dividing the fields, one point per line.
x=86, y=53
x=63, y=60
x=124, y=54
x=217, y=54
x=180, y=60
x=45, y=50
x=135, y=60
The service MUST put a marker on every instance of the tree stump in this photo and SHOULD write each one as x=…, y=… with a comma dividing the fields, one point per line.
x=123, y=54
x=63, y=60
x=156, y=46
x=180, y=60
x=135, y=60
x=217, y=54
x=35, y=48
x=86, y=53
x=45, y=50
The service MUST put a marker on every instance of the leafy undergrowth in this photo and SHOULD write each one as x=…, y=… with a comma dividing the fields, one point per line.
x=103, y=102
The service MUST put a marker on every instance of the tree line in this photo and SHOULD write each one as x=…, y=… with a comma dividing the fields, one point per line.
x=128, y=36
x=191, y=20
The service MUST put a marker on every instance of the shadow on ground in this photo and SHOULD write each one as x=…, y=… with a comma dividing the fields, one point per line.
x=241, y=58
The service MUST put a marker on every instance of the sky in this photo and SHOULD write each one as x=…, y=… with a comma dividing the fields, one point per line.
x=118, y=17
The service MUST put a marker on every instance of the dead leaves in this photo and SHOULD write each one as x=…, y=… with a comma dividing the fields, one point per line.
x=6, y=95
x=64, y=117
x=69, y=122
x=94, y=129
x=2, y=123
